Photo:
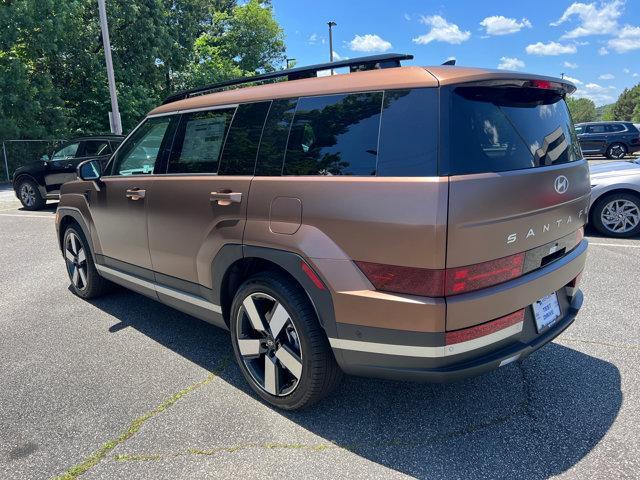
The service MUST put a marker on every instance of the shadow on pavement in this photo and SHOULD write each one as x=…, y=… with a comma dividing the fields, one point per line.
x=535, y=419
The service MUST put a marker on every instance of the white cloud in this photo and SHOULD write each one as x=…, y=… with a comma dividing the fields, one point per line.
x=603, y=51
x=626, y=70
x=627, y=39
x=510, y=63
x=551, y=48
x=441, y=31
x=570, y=65
x=600, y=95
x=337, y=56
x=593, y=20
x=407, y=17
x=315, y=39
x=573, y=80
x=499, y=25
x=606, y=76
x=635, y=75
x=369, y=43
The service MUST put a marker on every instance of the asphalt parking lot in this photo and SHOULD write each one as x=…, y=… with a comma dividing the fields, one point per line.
x=124, y=387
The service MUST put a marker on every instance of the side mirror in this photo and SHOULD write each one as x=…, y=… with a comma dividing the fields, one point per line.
x=90, y=170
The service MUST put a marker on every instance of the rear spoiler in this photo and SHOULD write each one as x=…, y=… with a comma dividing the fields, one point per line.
x=558, y=85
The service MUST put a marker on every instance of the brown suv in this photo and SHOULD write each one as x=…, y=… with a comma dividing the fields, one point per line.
x=397, y=222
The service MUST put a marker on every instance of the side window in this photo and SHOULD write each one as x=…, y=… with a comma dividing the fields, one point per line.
x=334, y=135
x=140, y=152
x=241, y=146
x=94, y=148
x=199, y=141
x=274, y=137
x=596, y=129
x=68, y=151
x=615, y=127
x=409, y=133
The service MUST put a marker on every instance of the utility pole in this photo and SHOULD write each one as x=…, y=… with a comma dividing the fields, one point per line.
x=331, y=25
x=114, y=115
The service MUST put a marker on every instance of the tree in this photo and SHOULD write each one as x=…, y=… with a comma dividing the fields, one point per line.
x=627, y=103
x=582, y=109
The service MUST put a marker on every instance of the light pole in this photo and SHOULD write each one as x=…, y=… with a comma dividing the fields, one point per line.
x=331, y=25
x=114, y=120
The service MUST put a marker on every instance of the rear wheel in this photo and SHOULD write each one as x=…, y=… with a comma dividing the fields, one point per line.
x=616, y=151
x=280, y=347
x=86, y=282
x=617, y=215
x=29, y=195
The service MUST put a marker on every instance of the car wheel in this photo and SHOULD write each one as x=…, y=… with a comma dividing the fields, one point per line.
x=616, y=150
x=281, y=349
x=86, y=282
x=617, y=215
x=30, y=196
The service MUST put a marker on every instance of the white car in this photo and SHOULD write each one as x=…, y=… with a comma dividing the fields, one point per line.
x=615, y=198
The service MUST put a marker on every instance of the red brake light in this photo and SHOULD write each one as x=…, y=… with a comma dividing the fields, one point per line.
x=437, y=283
x=466, y=334
x=414, y=281
x=545, y=84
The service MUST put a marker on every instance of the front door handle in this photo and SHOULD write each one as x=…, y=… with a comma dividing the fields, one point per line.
x=135, y=194
x=225, y=197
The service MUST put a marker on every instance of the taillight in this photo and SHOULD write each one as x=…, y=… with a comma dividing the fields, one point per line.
x=438, y=283
x=466, y=334
x=414, y=281
x=542, y=84
x=481, y=275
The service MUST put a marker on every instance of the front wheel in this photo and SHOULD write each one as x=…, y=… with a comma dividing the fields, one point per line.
x=616, y=151
x=30, y=196
x=617, y=215
x=279, y=345
x=86, y=282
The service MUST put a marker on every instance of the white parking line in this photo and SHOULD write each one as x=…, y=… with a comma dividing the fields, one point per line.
x=614, y=245
x=27, y=216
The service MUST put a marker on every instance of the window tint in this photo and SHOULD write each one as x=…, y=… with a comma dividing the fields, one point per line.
x=199, y=141
x=334, y=135
x=596, y=129
x=139, y=153
x=579, y=129
x=492, y=129
x=241, y=146
x=68, y=151
x=409, y=133
x=274, y=137
x=94, y=148
x=615, y=127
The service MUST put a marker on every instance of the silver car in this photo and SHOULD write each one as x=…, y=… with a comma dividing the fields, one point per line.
x=615, y=198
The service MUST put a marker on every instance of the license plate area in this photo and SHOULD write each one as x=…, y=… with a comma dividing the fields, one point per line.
x=546, y=312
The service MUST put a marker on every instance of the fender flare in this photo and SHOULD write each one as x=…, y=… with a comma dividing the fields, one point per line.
x=77, y=216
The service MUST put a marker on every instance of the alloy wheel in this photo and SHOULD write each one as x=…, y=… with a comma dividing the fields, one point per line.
x=269, y=344
x=620, y=216
x=617, y=151
x=28, y=195
x=76, y=259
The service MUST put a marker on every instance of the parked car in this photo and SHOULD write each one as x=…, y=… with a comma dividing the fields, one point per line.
x=391, y=222
x=611, y=139
x=615, y=198
x=39, y=181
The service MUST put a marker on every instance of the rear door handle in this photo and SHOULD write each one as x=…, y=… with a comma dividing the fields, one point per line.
x=135, y=194
x=225, y=197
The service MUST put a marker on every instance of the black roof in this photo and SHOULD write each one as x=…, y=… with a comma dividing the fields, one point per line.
x=372, y=62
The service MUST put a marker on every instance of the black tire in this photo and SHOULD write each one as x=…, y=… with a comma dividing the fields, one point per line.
x=89, y=284
x=29, y=195
x=616, y=151
x=320, y=373
x=602, y=203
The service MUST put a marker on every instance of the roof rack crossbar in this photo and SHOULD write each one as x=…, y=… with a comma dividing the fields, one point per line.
x=372, y=62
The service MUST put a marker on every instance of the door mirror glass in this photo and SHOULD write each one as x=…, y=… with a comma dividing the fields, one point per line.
x=90, y=170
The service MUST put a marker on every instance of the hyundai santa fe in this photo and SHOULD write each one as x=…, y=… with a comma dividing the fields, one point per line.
x=419, y=223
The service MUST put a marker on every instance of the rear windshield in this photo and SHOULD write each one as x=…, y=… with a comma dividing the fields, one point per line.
x=492, y=129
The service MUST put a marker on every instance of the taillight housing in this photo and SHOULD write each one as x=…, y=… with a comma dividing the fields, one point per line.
x=442, y=282
x=471, y=333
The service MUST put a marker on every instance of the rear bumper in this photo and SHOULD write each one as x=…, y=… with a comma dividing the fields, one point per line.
x=397, y=352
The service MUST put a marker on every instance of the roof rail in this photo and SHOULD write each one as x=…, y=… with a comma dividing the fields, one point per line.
x=372, y=62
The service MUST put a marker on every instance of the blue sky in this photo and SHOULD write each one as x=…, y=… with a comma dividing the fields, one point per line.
x=595, y=43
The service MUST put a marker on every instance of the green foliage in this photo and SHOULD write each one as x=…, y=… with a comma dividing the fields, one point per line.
x=52, y=68
x=604, y=112
x=582, y=109
x=627, y=107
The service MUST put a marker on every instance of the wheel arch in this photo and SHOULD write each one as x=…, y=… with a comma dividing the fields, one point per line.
x=26, y=175
x=617, y=189
x=235, y=263
x=70, y=216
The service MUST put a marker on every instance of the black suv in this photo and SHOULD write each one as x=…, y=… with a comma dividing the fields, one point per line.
x=39, y=181
x=612, y=139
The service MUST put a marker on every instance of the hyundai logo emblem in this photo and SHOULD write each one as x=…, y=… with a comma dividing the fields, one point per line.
x=561, y=184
